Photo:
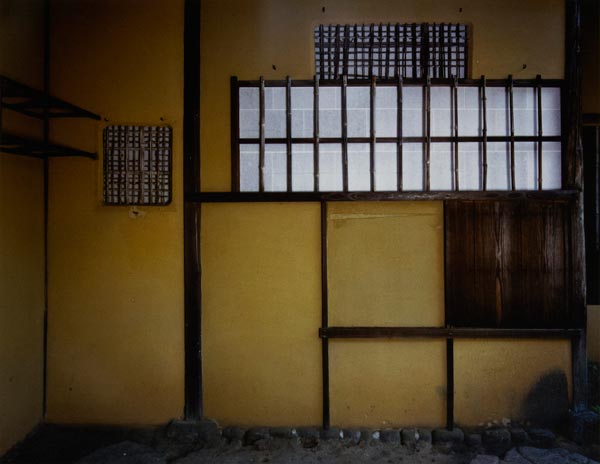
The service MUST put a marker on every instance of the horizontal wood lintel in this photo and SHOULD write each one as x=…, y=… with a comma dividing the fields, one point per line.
x=443, y=332
x=250, y=197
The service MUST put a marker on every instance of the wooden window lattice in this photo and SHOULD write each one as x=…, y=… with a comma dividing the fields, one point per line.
x=396, y=135
x=137, y=165
x=386, y=50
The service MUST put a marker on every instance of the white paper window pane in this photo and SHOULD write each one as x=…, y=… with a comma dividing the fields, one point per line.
x=469, y=166
x=551, y=111
x=551, y=166
x=386, y=98
x=524, y=98
x=330, y=167
x=358, y=123
x=498, y=172
x=412, y=166
x=275, y=168
x=302, y=112
x=275, y=124
x=359, y=167
x=469, y=116
x=330, y=124
x=386, y=112
x=386, y=169
x=358, y=97
x=358, y=111
x=386, y=122
x=441, y=113
x=302, y=167
x=412, y=112
x=249, y=117
x=302, y=123
x=302, y=98
x=497, y=111
x=275, y=117
x=330, y=98
x=526, y=165
x=248, y=168
x=525, y=121
x=249, y=98
x=441, y=166
x=330, y=113
x=525, y=111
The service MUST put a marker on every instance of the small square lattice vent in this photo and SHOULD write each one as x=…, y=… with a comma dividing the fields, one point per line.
x=137, y=165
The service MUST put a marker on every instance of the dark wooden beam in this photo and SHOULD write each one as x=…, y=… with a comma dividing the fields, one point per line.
x=324, y=317
x=46, y=142
x=444, y=332
x=573, y=179
x=251, y=197
x=191, y=221
x=450, y=383
x=573, y=161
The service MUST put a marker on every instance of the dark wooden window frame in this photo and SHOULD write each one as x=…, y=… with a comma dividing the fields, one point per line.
x=399, y=140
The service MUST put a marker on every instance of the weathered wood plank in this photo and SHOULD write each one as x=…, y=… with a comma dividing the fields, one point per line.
x=508, y=264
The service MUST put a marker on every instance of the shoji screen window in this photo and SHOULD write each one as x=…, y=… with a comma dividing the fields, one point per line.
x=396, y=135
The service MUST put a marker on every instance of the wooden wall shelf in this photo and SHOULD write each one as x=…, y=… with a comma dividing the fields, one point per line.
x=28, y=101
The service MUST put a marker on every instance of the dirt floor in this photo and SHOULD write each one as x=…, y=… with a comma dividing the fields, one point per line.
x=53, y=444
x=325, y=452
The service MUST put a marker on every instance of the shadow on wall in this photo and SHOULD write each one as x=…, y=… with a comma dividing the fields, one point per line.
x=547, y=403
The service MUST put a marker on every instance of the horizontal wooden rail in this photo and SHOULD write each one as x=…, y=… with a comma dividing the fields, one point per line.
x=443, y=332
x=259, y=197
x=407, y=82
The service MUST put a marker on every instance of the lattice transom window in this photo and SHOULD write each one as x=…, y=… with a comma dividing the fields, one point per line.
x=396, y=135
x=386, y=50
x=137, y=165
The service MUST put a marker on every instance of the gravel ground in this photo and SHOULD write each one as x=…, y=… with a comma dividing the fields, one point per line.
x=325, y=452
x=204, y=442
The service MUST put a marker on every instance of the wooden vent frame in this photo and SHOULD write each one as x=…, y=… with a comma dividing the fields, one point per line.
x=361, y=51
x=138, y=165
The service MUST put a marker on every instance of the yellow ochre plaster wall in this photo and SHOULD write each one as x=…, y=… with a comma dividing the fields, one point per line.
x=518, y=380
x=386, y=264
x=21, y=235
x=261, y=263
x=115, y=350
x=262, y=291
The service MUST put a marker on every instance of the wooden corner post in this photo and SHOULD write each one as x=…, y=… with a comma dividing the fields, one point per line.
x=573, y=179
x=191, y=220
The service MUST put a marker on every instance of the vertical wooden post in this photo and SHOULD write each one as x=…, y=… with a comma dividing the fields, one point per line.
x=345, y=133
x=399, y=145
x=191, y=219
x=46, y=199
x=573, y=179
x=324, y=316
x=373, y=138
x=261, y=130
x=235, y=133
x=512, y=133
x=428, y=134
x=484, y=161
x=288, y=132
x=316, y=141
x=450, y=384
